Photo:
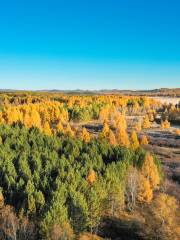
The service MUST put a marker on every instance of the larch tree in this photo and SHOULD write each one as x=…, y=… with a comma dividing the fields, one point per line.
x=27, y=119
x=146, y=122
x=104, y=114
x=165, y=222
x=105, y=131
x=59, y=126
x=35, y=119
x=122, y=137
x=150, y=171
x=91, y=177
x=1, y=118
x=68, y=131
x=144, y=140
x=165, y=124
x=112, y=138
x=137, y=126
x=134, y=140
x=145, y=192
x=85, y=136
x=47, y=129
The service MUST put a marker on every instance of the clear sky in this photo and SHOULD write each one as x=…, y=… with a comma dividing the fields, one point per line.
x=89, y=44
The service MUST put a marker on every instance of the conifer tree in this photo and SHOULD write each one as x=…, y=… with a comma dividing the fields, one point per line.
x=112, y=138
x=122, y=137
x=85, y=136
x=47, y=129
x=145, y=192
x=137, y=126
x=144, y=140
x=134, y=140
x=59, y=126
x=91, y=177
x=150, y=171
x=146, y=122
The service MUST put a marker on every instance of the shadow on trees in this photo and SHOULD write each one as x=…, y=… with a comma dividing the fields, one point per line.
x=117, y=229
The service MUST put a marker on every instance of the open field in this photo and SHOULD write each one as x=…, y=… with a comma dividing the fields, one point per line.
x=167, y=100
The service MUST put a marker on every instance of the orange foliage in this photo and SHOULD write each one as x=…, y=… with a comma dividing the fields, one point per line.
x=145, y=193
x=91, y=177
x=165, y=124
x=47, y=129
x=150, y=171
x=134, y=140
x=112, y=138
x=146, y=122
x=85, y=136
x=144, y=140
x=122, y=137
x=88, y=236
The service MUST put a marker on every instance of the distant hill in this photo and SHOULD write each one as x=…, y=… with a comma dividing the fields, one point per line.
x=173, y=92
x=154, y=92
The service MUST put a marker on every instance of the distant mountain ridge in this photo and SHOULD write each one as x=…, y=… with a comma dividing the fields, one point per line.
x=153, y=92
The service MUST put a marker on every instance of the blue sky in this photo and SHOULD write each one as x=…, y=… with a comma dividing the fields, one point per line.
x=89, y=44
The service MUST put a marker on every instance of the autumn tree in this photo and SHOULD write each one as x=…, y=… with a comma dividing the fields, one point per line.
x=145, y=192
x=146, y=122
x=137, y=126
x=105, y=131
x=68, y=131
x=91, y=177
x=1, y=199
x=164, y=223
x=1, y=117
x=47, y=129
x=35, y=118
x=134, y=140
x=144, y=140
x=85, y=136
x=150, y=171
x=59, y=126
x=165, y=124
x=122, y=136
x=112, y=138
x=104, y=114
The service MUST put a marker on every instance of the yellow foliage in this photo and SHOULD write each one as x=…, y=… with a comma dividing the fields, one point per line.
x=150, y=171
x=47, y=129
x=88, y=236
x=112, y=138
x=137, y=126
x=145, y=192
x=1, y=118
x=146, y=122
x=165, y=124
x=165, y=209
x=134, y=140
x=177, y=132
x=105, y=131
x=85, y=136
x=35, y=119
x=1, y=200
x=91, y=177
x=144, y=140
x=59, y=127
x=121, y=121
x=104, y=114
x=122, y=137
x=68, y=131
